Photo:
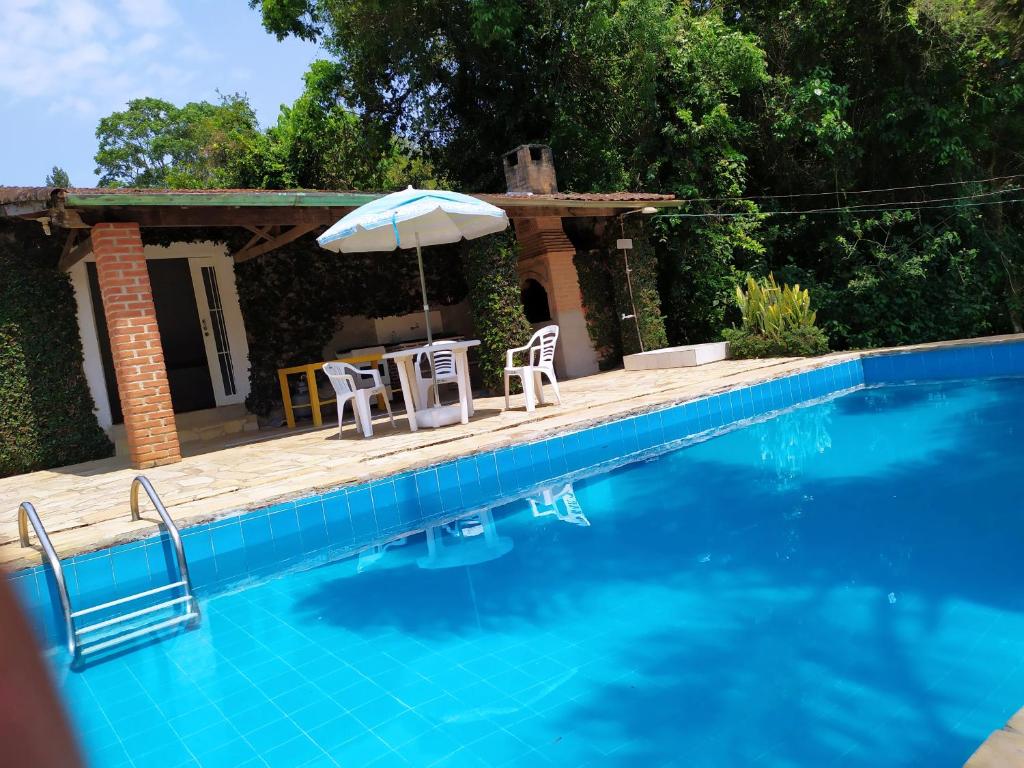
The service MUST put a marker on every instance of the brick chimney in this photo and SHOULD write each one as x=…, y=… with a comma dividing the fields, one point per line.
x=530, y=168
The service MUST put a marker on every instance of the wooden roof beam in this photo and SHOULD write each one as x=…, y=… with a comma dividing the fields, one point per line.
x=74, y=252
x=290, y=235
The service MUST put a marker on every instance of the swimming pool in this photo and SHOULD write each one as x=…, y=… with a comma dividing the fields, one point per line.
x=831, y=586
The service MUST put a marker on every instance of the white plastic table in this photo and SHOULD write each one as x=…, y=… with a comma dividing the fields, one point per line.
x=405, y=362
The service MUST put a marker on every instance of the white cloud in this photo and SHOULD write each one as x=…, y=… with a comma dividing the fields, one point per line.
x=148, y=14
x=144, y=43
x=74, y=56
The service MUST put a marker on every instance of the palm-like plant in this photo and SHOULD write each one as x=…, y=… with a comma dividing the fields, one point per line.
x=771, y=311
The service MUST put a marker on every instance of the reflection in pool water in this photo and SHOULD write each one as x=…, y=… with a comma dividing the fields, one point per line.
x=834, y=587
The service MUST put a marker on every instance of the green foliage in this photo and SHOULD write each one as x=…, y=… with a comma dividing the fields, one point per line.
x=47, y=417
x=319, y=143
x=713, y=102
x=489, y=266
x=597, y=286
x=770, y=310
x=642, y=280
x=316, y=143
x=58, y=177
x=776, y=322
x=153, y=143
x=293, y=302
x=796, y=342
x=606, y=299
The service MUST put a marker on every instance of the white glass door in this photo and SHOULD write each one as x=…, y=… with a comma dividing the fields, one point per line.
x=213, y=280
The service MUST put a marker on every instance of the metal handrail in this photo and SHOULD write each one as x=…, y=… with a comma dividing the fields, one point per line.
x=26, y=513
x=172, y=530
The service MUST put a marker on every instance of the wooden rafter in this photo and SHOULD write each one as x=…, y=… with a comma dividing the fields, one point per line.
x=261, y=233
x=74, y=252
x=251, y=251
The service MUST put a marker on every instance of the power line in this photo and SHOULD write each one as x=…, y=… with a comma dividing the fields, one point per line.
x=836, y=193
x=844, y=209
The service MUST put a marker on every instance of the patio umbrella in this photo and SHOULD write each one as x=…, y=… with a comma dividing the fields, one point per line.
x=414, y=218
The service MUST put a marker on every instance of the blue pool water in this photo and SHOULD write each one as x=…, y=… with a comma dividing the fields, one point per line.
x=837, y=585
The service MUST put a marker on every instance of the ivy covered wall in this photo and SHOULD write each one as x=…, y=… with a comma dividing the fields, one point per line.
x=489, y=266
x=649, y=324
x=46, y=409
x=293, y=299
x=602, y=274
x=598, y=288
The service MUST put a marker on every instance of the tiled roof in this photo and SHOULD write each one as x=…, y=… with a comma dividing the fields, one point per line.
x=9, y=195
x=609, y=197
x=618, y=197
x=34, y=201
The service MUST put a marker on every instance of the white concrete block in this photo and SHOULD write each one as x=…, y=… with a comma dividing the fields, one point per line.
x=677, y=357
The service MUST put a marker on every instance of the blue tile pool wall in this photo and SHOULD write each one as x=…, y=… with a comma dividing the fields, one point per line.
x=323, y=527
x=959, y=362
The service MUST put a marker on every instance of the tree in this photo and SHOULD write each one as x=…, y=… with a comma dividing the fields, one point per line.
x=58, y=177
x=154, y=143
x=317, y=142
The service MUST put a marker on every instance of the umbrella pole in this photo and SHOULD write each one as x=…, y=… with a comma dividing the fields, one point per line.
x=426, y=316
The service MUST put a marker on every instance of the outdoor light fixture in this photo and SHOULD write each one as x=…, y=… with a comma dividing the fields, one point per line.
x=625, y=244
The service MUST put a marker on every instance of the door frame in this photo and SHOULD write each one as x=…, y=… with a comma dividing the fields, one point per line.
x=199, y=255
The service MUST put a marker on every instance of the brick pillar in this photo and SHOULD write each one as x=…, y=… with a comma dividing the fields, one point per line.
x=135, y=345
x=546, y=252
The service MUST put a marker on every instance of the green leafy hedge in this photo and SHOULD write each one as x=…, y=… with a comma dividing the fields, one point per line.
x=293, y=299
x=602, y=276
x=643, y=264
x=46, y=409
x=598, y=288
x=489, y=267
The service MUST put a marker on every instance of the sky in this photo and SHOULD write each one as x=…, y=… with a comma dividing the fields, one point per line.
x=64, y=64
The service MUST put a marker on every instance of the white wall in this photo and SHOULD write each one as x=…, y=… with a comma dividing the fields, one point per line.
x=92, y=362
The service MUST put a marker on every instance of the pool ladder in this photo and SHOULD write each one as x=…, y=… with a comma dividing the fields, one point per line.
x=78, y=642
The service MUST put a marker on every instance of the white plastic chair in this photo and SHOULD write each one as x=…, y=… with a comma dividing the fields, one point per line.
x=444, y=370
x=382, y=366
x=540, y=361
x=343, y=379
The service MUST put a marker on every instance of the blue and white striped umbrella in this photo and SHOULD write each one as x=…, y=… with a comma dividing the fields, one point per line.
x=412, y=218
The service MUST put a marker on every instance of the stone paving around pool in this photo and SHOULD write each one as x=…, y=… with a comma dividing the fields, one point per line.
x=85, y=507
x=1003, y=748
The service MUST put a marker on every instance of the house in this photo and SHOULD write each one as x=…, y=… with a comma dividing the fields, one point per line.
x=165, y=344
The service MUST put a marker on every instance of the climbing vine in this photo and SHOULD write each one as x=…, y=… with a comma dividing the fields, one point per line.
x=47, y=417
x=598, y=288
x=642, y=280
x=606, y=298
x=489, y=266
x=293, y=299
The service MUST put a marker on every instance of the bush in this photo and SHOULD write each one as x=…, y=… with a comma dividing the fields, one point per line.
x=489, y=267
x=799, y=342
x=46, y=409
x=777, y=322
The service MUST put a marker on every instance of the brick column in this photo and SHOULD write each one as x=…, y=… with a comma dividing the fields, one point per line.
x=546, y=252
x=135, y=345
